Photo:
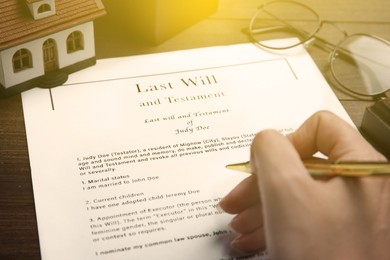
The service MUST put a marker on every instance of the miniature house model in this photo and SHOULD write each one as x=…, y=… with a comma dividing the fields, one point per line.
x=42, y=41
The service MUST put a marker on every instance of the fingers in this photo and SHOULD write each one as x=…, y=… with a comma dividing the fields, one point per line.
x=248, y=220
x=270, y=150
x=244, y=201
x=250, y=242
x=327, y=133
x=244, y=195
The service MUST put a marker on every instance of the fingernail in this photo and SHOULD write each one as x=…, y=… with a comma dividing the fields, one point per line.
x=219, y=208
x=235, y=244
x=236, y=247
x=231, y=225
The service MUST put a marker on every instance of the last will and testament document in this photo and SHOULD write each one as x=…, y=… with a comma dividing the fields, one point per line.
x=128, y=158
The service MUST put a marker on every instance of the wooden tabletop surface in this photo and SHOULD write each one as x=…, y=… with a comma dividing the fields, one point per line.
x=18, y=227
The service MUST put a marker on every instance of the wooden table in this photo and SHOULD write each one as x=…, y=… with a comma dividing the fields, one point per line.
x=18, y=227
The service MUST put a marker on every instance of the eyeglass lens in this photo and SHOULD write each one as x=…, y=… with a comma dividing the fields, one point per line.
x=361, y=63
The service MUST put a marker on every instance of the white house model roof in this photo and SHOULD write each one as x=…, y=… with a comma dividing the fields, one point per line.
x=17, y=25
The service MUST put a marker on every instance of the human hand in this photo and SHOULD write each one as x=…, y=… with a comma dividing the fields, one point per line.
x=284, y=210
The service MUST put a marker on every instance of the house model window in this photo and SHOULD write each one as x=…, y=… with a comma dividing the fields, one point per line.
x=21, y=60
x=41, y=8
x=44, y=8
x=75, y=42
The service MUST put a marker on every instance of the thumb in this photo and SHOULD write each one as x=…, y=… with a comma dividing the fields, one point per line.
x=280, y=171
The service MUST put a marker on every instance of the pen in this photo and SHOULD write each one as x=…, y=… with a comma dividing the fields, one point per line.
x=323, y=168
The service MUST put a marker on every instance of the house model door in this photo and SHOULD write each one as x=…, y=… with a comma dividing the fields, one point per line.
x=50, y=55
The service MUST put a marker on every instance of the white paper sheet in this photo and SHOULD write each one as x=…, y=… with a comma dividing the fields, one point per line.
x=128, y=158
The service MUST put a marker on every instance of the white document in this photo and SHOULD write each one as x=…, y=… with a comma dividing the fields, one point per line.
x=128, y=158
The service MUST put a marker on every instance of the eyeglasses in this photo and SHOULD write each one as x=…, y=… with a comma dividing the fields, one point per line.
x=360, y=62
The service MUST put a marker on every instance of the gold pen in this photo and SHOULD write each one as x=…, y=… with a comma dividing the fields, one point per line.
x=323, y=168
